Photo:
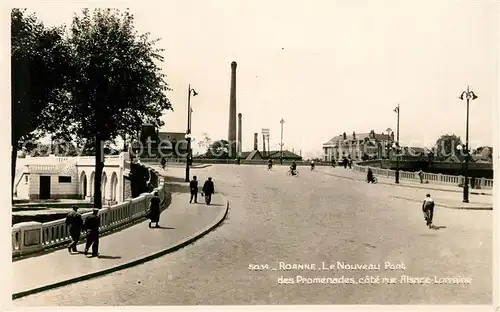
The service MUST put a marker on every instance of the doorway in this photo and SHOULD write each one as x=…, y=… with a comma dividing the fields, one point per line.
x=44, y=187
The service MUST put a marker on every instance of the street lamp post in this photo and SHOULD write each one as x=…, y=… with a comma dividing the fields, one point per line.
x=188, y=131
x=397, y=147
x=282, y=121
x=469, y=94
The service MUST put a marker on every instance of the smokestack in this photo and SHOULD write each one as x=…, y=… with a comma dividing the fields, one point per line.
x=263, y=145
x=255, y=141
x=239, y=134
x=232, y=113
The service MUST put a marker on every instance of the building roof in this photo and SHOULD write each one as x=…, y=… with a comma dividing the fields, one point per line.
x=286, y=154
x=359, y=136
x=414, y=151
x=250, y=155
x=171, y=136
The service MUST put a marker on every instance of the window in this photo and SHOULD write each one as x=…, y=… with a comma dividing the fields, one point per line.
x=63, y=179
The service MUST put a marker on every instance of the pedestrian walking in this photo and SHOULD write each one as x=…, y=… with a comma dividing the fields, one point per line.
x=428, y=209
x=92, y=224
x=349, y=162
x=208, y=190
x=154, y=210
x=193, y=187
x=74, y=222
x=421, y=176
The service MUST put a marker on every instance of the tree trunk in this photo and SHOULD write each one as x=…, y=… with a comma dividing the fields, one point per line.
x=99, y=166
x=13, y=166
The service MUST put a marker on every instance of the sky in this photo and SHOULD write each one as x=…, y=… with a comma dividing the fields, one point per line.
x=325, y=67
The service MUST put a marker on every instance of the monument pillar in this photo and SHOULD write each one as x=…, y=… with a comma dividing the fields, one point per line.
x=232, y=114
x=239, y=135
x=255, y=141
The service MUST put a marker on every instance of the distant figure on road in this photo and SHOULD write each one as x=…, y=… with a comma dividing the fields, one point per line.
x=193, y=188
x=293, y=168
x=421, y=176
x=369, y=176
x=154, y=210
x=428, y=209
x=349, y=162
x=74, y=222
x=208, y=190
x=344, y=162
x=312, y=165
x=333, y=162
x=92, y=226
x=163, y=163
x=270, y=164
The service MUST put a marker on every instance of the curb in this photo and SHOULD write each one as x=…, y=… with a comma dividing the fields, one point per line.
x=108, y=231
x=222, y=216
x=411, y=186
x=445, y=205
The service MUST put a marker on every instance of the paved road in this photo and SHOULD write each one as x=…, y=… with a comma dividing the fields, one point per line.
x=307, y=220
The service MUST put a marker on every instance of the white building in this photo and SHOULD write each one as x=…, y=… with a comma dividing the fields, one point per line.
x=69, y=178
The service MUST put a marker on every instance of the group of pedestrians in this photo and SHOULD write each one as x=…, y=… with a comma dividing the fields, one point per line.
x=75, y=224
x=207, y=191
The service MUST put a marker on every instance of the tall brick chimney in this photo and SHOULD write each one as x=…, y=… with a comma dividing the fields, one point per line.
x=231, y=137
x=239, y=134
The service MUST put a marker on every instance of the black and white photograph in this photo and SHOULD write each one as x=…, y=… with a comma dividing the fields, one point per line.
x=257, y=153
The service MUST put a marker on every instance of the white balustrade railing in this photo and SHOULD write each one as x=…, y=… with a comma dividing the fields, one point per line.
x=431, y=177
x=30, y=237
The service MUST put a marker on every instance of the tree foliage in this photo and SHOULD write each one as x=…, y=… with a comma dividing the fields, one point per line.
x=114, y=83
x=446, y=146
x=39, y=70
x=206, y=142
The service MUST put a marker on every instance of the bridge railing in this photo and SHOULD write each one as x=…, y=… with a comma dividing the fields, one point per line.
x=431, y=177
x=32, y=237
x=230, y=161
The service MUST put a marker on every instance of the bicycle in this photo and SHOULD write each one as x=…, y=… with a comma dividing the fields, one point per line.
x=289, y=173
x=375, y=180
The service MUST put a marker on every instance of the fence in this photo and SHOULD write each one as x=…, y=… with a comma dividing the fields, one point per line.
x=32, y=237
x=431, y=177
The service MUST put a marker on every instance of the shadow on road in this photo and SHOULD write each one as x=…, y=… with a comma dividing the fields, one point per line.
x=163, y=227
x=175, y=179
x=177, y=188
x=438, y=227
x=108, y=257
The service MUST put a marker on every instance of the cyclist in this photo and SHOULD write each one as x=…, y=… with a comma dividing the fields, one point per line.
x=293, y=168
x=312, y=165
x=270, y=164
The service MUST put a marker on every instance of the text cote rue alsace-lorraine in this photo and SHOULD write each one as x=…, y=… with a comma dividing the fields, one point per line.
x=338, y=273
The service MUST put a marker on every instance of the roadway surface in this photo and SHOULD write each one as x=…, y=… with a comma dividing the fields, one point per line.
x=311, y=219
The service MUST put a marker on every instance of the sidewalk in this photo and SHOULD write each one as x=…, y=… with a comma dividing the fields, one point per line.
x=350, y=174
x=444, y=195
x=180, y=223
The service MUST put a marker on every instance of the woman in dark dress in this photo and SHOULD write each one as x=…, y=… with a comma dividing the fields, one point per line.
x=154, y=210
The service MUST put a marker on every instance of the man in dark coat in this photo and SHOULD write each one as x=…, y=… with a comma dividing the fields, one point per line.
x=428, y=209
x=154, y=210
x=208, y=190
x=74, y=223
x=369, y=176
x=193, y=188
x=92, y=224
